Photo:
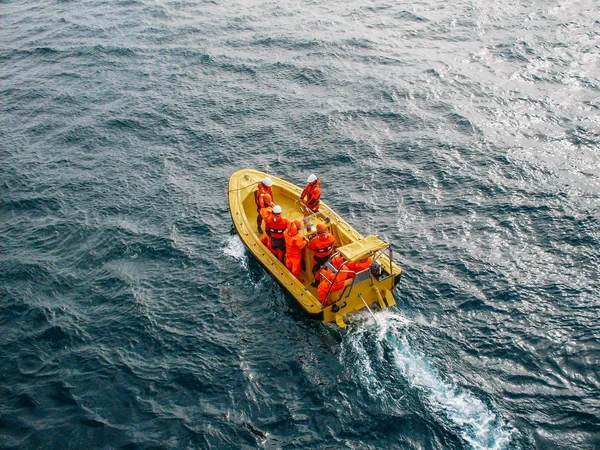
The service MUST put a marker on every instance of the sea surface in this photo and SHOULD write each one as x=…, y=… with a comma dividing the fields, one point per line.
x=465, y=133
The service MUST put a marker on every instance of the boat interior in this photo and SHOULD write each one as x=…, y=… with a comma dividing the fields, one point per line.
x=348, y=243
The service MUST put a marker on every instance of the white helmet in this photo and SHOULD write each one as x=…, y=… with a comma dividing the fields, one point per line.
x=267, y=182
x=277, y=209
x=311, y=178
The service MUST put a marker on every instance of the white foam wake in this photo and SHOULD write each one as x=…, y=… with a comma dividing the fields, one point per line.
x=382, y=342
x=236, y=249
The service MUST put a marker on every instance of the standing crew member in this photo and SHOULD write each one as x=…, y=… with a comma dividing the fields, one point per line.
x=264, y=213
x=322, y=246
x=275, y=226
x=266, y=210
x=312, y=192
x=264, y=187
x=294, y=245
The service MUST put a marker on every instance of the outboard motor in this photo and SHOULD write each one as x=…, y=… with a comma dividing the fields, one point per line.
x=375, y=269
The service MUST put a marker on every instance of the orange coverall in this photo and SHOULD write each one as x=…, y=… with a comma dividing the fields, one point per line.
x=327, y=277
x=294, y=244
x=361, y=265
x=260, y=203
x=312, y=192
x=275, y=226
x=322, y=246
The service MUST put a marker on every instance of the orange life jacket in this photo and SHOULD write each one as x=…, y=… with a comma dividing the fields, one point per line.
x=322, y=245
x=312, y=192
x=261, y=191
x=294, y=244
x=275, y=225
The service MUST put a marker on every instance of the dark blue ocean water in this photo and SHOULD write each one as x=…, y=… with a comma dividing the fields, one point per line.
x=466, y=133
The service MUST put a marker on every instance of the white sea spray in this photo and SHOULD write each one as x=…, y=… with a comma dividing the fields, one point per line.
x=384, y=339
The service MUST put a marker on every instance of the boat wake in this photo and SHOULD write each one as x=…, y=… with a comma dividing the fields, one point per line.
x=383, y=359
x=235, y=248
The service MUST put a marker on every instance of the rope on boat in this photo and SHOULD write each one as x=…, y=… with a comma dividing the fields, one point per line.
x=240, y=188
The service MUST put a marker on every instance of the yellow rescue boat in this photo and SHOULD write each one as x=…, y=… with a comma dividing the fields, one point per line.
x=370, y=288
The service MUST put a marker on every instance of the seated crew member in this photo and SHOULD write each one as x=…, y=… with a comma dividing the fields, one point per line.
x=275, y=226
x=359, y=266
x=312, y=192
x=322, y=246
x=264, y=188
x=339, y=263
x=330, y=282
x=294, y=245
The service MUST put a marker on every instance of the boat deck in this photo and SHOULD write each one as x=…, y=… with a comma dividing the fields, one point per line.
x=292, y=210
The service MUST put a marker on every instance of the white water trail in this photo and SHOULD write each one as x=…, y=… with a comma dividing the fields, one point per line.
x=376, y=344
x=236, y=249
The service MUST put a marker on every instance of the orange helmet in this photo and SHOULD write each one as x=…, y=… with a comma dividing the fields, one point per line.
x=321, y=228
x=298, y=224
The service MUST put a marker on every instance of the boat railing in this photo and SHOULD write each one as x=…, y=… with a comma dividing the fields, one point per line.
x=382, y=266
x=357, y=278
x=362, y=276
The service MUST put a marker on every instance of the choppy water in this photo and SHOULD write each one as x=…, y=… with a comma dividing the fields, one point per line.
x=465, y=133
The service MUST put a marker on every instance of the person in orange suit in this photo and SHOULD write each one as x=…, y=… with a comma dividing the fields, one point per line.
x=294, y=244
x=264, y=188
x=275, y=226
x=359, y=266
x=339, y=263
x=330, y=282
x=312, y=193
x=322, y=246
x=265, y=212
